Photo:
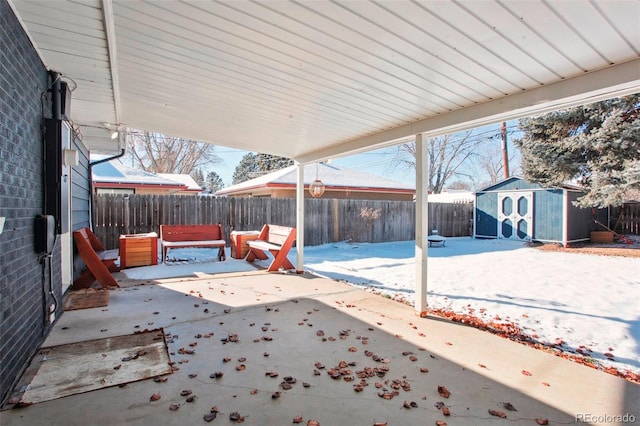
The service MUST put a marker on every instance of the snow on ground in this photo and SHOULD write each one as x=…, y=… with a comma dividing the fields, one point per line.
x=587, y=301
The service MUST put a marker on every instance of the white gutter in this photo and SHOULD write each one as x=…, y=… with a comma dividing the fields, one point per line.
x=110, y=35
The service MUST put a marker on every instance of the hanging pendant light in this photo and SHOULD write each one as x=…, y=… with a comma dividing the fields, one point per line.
x=316, y=188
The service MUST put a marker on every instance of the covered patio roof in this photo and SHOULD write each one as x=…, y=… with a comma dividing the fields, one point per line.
x=316, y=80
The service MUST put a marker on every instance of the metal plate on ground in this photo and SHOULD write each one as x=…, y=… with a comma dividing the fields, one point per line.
x=85, y=299
x=64, y=370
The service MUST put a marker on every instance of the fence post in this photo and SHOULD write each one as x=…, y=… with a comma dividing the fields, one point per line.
x=127, y=213
x=336, y=221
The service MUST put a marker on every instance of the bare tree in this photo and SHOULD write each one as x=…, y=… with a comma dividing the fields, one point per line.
x=157, y=153
x=446, y=156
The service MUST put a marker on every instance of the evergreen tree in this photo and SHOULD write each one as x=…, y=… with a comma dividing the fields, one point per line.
x=269, y=163
x=246, y=169
x=598, y=145
x=255, y=165
x=198, y=176
x=213, y=183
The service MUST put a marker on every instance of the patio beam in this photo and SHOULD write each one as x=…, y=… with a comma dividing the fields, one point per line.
x=300, y=219
x=422, y=222
x=614, y=81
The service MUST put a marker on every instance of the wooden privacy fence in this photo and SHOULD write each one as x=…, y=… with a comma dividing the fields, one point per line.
x=626, y=218
x=326, y=220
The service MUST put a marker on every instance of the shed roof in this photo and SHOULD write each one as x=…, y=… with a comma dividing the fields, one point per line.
x=493, y=186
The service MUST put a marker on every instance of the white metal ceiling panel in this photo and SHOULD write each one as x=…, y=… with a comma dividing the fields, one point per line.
x=311, y=80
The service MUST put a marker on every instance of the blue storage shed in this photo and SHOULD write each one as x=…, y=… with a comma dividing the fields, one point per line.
x=521, y=210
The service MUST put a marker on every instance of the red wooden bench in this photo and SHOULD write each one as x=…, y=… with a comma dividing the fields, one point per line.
x=100, y=262
x=278, y=240
x=181, y=236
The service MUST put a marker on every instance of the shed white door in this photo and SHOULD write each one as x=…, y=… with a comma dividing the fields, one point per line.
x=515, y=215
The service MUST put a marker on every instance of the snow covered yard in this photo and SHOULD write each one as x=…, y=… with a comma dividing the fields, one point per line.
x=584, y=304
x=581, y=303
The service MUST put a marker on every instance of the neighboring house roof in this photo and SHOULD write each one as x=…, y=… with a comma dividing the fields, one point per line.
x=184, y=179
x=566, y=185
x=115, y=174
x=451, y=196
x=333, y=177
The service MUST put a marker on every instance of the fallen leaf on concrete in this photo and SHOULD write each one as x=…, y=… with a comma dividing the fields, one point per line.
x=441, y=423
x=174, y=407
x=155, y=397
x=443, y=392
x=313, y=423
x=297, y=419
x=509, y=406
x=236, y=417
x=210, y=417
x=526, y=373
x=542, y=422
x=497, y=413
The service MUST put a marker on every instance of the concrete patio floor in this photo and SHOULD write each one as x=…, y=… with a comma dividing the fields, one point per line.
x=481, y=371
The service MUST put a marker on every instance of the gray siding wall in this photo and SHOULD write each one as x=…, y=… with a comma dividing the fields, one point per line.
x=80, y=188
x=547, y=215
x=580, y=221
x=487, y=214
x=23, y=79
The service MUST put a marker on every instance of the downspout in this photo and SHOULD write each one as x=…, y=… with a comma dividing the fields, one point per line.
x=104, y=160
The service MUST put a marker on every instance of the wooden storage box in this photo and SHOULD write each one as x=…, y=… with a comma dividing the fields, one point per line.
x=239, y=247
x=601, y=237
x=138, y=250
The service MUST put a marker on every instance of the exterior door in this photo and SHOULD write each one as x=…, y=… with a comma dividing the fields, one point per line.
x=515, y=215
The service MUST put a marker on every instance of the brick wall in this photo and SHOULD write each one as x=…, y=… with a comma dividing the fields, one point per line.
x=23, y=79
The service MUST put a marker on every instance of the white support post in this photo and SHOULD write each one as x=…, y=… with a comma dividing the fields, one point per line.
x=300, y=219
x=422, y=223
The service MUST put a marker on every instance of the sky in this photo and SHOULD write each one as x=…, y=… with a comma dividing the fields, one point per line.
x=579, y=302
x=377, y=162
